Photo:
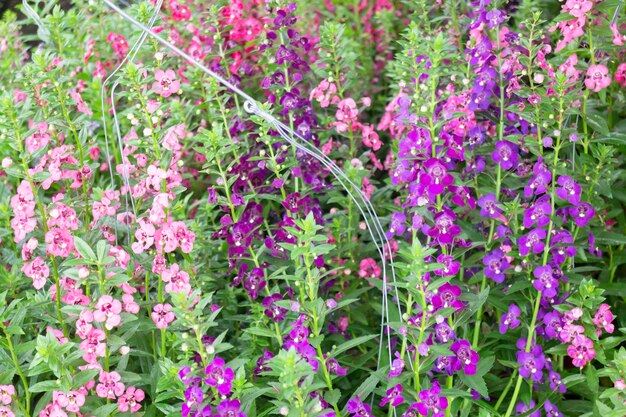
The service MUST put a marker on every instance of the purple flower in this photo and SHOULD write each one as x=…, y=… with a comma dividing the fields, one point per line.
x=545, y=281
x=412, y=411
x=397, y=226
x=555, y=382
x=272, y=310
x=396, y=367
x=254, y=282
x=393, y=396
x=356, y=407
x=466, y=358
x=489, y=206
x=532, y=241
x=414, y=144
x=495, y=18
x=444, y=229
x=445, y=364
x=230, y=408
x=334, y=368
x=450, y=267
x=476, y=137
x=219, y=376
x=485, y=80
x=522, y=408
x=435, y=176
x=568, y=189
x=495, y=264
x=562, y=246
x=538, y=213
x=531, y=363
x=510, y=320
x=593, y=249
x=553, y=324
x=505, y=154
x=446, y=296
x=261, y=363
x=539, y=182
x=551, y=410
x=582, y=213
x=443, y=332
x=431, y=401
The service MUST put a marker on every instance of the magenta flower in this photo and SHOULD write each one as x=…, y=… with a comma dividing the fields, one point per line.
x=356, y=407
x=532, y=241
x=397, y=365
x=568, y=189
x=110, y=386
x=435, y=176
x=166, y=83
x=603, y=319
x=228, y=408
x=510, y=320
x=450, y=267
x=219, y=376
x=597, y=78
x=466, y=358
x=446, y=296
x=393, y=396
x=523, y=408
x=130, y=400
x=555, y=382
x=162, y=316
x=444, y=229
x=431, y=401
x=108, y=311
x=551, y=410
x=539, y=213
x=334, y=368
x=582, y=213
x=443, y=332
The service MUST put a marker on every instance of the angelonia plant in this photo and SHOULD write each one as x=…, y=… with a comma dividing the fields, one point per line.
x=167, y=253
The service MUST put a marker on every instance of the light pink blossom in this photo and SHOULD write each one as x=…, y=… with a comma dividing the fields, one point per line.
x=110, y=386
x=162, y=316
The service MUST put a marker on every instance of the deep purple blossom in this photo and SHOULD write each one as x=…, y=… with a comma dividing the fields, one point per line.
x=553, y=324
x=446, y=296
x=555, y=382
x=489, y=206
x=495, y=18
x=545, y=281
x=272, y=310
x=393, y=396
x=539, y=182
x=510, y=320
x=551, y=410
x=358, y=408
x=450, y=266
x=397, y=365
x=435, y=176
x=539, y=213
x=397, y=226
x=522, y=408
x=495, y=264
x=445, y=364
x=582, y=213
x=334, y=368
x=505, y=154
x=230, y=408
x=444, y=229
x=562, y=244
x=568, y=189
x=533, y=241
x=531, y=363
x=466, y=358
x=443, y=332
x=430, y=400
x=219, y=376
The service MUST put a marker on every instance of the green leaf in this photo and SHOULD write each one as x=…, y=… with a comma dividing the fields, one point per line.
x=351, y=343
x=475, y=382
x=612, y=138
x=45, y=386
x=104, y=411
x=83, y=377
x=598, y=123
x=84, y=249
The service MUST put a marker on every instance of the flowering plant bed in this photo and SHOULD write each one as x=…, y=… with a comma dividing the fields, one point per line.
x=323, y=208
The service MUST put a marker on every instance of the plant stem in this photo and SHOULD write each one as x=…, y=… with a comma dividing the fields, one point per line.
x=16, y=363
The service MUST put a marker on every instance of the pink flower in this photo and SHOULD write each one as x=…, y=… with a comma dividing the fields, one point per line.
x=130, y=400
x=52, y=410
x=603, y=319
x=38, y=271
x=369, y=269
x=620, y=384
x=108, y=310
x=6, y=411
x=110, y=386
x=162, y=316
x=93, y=345
x=597, y=78
x=325, y=93
x=618, y=38
x=6, y=392
x=130, y=306
x=620, y=74
x=370, y=137
x=71, y=401
x=59, y=242
x=80, y=103
x=581, y=351
x=577, y=8
x=39, y=139
x=166, y=83
x=177, y=280
x=119, y=44
x=58, y=334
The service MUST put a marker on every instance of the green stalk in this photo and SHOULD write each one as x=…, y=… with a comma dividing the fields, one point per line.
x=16, y=363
